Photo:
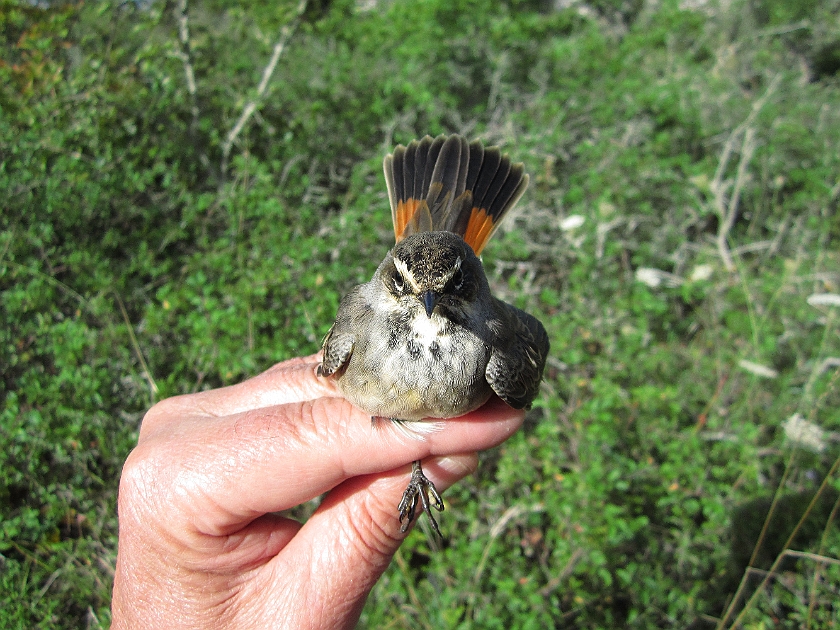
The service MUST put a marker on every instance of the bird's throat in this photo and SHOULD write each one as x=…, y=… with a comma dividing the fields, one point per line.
x=426, y=330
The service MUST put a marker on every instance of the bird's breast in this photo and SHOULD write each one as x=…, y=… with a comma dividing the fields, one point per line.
x=414, y=366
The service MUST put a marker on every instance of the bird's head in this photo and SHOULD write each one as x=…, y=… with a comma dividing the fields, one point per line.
x=434, y=268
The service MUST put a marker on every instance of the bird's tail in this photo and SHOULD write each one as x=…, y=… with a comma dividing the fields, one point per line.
x=446, y=183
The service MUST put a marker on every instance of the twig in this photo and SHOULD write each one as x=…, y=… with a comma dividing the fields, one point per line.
x=772, y=511
x=727, y=209
x=812, y=600
x=185, y=55
x=814, y=557
x=561, y=577
x=412, y=592
x=251, y=106
x=812, y=603
x=775, y=566
x=514, y=511
x=50, y=280
x=136, y=347
x=727, y=215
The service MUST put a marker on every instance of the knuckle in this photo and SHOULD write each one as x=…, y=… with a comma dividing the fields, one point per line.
x=162, y=413
x=140, y=487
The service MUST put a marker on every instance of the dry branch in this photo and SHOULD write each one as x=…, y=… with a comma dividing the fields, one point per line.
x=251, y=106
x=725, y=206
x=185, y=55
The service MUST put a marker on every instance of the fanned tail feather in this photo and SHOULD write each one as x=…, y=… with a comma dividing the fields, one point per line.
x=446, y=183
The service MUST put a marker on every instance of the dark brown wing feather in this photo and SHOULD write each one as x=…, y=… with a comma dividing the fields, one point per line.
x=516, y=366
x=444, y=183
x=341, y=339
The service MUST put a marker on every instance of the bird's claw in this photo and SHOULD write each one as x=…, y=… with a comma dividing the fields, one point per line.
x=418, y=491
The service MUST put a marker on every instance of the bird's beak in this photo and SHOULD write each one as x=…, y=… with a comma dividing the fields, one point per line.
x=430, y=298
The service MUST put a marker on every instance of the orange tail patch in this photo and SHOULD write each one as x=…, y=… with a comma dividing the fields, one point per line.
x=445, y=183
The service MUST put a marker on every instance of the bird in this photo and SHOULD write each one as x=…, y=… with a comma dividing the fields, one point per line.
x=425, y=338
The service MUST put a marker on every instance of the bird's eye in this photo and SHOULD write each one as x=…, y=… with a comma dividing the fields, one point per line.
x=399, y=283
x=458, y=280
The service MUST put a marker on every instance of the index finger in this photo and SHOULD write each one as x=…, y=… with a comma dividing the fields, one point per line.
x=223, y=472
x=291, y=381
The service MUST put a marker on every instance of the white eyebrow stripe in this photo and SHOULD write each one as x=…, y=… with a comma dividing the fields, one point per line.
x=402, y=268
x=406, y=274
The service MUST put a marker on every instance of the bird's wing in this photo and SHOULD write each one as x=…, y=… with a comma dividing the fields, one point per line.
x=341, y=339
x=517, y=362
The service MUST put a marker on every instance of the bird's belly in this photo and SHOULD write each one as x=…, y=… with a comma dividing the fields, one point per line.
x=422, y=374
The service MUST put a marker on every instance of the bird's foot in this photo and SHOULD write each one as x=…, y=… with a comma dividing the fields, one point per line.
x=418, y=491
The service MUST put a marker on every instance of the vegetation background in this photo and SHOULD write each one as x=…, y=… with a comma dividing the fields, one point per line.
x=188, y=188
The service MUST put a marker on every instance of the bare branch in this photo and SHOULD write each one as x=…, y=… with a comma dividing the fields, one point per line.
x=144, y=366
x=185, y=55
x=727, y=209
x=773, y=571
x=251, y=106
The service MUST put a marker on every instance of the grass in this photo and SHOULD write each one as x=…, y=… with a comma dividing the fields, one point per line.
x=679, y=241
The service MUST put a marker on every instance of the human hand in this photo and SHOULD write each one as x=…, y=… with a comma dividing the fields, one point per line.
x=201, y=541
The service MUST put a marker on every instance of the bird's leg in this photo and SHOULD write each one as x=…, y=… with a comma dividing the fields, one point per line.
x=419, y=488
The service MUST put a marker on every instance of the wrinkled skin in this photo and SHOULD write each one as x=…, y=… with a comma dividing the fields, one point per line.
x=201, y=541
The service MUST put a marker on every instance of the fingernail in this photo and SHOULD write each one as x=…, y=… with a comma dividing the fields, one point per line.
x=459, y=465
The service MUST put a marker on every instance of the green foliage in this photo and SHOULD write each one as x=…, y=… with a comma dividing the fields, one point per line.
x=133, y=266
